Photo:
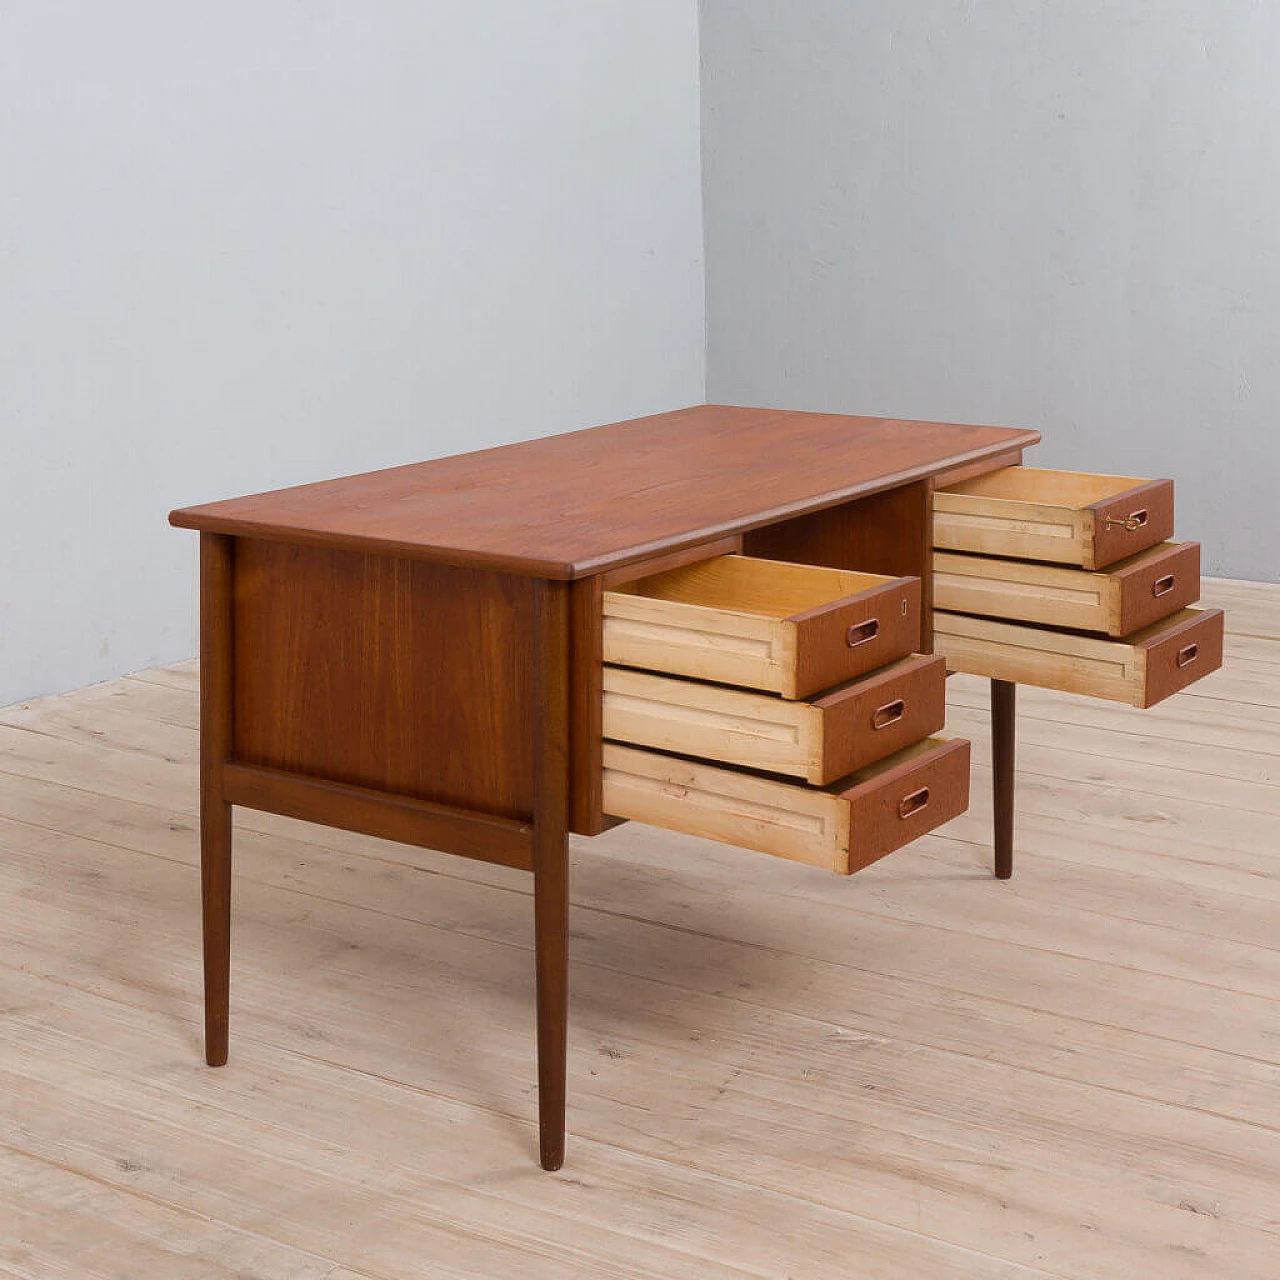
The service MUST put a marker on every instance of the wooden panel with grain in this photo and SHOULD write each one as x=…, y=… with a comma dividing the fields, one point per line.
x=395, y=675
x=967, y=471
x=1066, y=517
x=790, y=628
x=586, y=622
x=713, y=721
x=586, y=816
x=217, y=737
x=572, y=505
x=1156, y=584
x=1140, y=670
x=1117, y=601
x=819, y=741
x=842, y=827
x=506, y=841
x=891, y=708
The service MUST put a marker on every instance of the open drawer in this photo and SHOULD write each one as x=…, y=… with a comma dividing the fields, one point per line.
x=1067, y=517
x=1117, y=601
x=842, y=827
x=793, y=629
x=820, y=741
x=1141, y=670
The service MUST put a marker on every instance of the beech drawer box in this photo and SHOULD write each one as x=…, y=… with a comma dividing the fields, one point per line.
x=1117, y=601
x=842, y=827
x=1067, y=517
x=794, y=629
x=820, y=741
x=1141, y=670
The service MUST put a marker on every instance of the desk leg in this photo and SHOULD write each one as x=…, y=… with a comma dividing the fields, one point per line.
x=1003, y=732
x=215, y=814
x=551, y=862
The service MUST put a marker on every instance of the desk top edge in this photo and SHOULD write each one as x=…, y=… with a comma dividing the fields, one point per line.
x=593, y=509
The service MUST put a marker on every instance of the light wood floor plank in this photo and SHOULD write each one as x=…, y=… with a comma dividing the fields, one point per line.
x=61, y=1222
x=1252, y=608
x=918, y=1011
x=651, y=867
x=724, y=1141
x=1223, y=1180
x=440, y=1178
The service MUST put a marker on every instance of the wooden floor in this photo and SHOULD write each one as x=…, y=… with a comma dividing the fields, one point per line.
x=915, y=1072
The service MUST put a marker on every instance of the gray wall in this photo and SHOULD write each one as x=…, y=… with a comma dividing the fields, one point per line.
x=251, y=244
x=1061, y=215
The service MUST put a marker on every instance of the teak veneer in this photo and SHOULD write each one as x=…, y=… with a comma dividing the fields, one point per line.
x=418, y=653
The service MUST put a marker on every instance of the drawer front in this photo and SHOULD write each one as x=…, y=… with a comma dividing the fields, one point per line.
x=819, y=741
x=1155, y=585
x=848, y=639
x=1180, y=653
x=842, y=827
x=882, y=713
x=1117, y=602
x=788, y=628
x=1130, y=523
x=904, y=797
x=1065, y=517
x=1141, y=670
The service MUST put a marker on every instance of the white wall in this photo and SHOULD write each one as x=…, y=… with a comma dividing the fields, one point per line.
x=1058, y=214
x=250, y=244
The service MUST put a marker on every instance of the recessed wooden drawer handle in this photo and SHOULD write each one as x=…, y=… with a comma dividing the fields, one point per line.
x=863, y=632
x=913, y=803
x=1129, y=523
x=889, y=714
x=1162, y=586
x=1188, y=655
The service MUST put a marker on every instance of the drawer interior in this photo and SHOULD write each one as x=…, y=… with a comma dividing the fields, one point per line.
x=1044, y=487
x=793, y=629
x=1066, y=517
x=746, y=584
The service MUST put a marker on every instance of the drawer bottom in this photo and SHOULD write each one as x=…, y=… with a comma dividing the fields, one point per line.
x=842, y=827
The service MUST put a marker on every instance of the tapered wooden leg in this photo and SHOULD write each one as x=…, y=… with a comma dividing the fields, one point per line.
x=215, y=814
x=215, y=898
x=1003, y=732
x=551, y=863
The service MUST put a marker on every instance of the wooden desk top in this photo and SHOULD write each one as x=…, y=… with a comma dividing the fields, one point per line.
x=571, y=505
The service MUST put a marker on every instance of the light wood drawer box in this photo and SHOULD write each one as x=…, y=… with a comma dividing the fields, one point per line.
x=1067, y=517
x=842, y=827
x=1141, y=670
x=1116, y=601
x=793, y=629
x=819, y=741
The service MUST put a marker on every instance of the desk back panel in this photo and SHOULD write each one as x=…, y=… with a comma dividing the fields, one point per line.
x=369, y=669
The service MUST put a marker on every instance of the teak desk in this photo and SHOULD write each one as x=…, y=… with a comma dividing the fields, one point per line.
x=418, y=653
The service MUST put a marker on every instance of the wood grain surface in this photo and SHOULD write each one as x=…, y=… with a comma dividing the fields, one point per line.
x=1119, y=600
x=1142, y=669
x=385, y=673
x=570, y=505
